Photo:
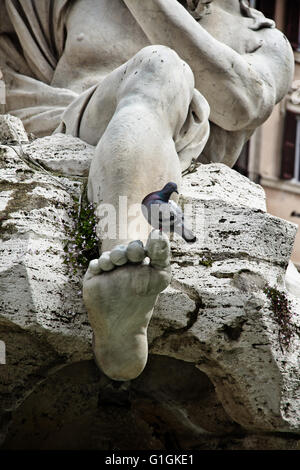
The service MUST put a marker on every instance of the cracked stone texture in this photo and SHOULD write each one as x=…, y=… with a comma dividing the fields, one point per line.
x=63, y=154
x=228, y=383
x=232, y=334
x=11, y=129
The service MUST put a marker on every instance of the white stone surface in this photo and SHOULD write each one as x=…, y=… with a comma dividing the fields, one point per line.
x=232, y=335
x=220, y=185
x=215, y=316
x=148, y=112
x=4, y=198
x=37, y=289
x=63, y=154
x=178, y=95
x=11, y=129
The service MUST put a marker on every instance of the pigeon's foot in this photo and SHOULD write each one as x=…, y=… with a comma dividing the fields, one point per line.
x=119, y=291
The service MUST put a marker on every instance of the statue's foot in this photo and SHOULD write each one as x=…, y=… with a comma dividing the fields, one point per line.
x=119, y=291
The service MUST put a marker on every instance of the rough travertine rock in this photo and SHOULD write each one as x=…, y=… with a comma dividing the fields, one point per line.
x=180, y=94
x=38, y=291
x=215, y=316
x=63, y=154
x=11, y=129
x=232, y=335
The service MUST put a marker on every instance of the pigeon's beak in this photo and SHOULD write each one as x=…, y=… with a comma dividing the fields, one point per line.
x=176, y=191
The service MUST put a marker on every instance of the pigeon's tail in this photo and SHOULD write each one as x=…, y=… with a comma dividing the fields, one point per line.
x=186, y=234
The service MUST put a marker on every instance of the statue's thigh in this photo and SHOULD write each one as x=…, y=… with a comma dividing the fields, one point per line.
x=155, y=78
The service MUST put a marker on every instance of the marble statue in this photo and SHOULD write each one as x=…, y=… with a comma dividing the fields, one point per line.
x=153, y=85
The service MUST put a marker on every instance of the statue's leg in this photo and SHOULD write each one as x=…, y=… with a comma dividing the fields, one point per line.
x=135, y=155
x=147, y=101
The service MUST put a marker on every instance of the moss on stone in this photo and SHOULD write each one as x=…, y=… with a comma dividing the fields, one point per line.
x=83, y=243
x=280, y=306
x=206, y=262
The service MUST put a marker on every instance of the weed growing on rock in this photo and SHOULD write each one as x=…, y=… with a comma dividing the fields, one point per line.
x=206, y=262
x=280, y=306
x=83, y=242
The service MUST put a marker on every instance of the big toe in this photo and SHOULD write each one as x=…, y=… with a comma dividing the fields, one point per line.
x=158, y=249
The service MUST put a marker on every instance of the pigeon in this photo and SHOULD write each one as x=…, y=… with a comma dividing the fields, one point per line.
x=166, y=215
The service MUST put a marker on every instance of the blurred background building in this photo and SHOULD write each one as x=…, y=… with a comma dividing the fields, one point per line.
x=272, y=156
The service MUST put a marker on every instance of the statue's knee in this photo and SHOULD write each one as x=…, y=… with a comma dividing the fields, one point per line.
x=162, y=60
x=160, y=68
x=155, y=55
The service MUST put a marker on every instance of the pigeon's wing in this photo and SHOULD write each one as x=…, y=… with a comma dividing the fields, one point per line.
x=175, y=209
x=179, y=224
x=166, y=212
x=176, y=212
x=170, y=216
x=155, y=213
x=161, y=215
x=165, y=216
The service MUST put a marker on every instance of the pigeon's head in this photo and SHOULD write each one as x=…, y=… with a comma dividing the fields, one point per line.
x=167, y=190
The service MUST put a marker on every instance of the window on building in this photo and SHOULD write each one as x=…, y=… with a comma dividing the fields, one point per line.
x=267, y=7
x=290, y=165
x=292, y=23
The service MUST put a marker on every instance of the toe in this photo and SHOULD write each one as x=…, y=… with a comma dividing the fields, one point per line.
x=105, y=262
x=136, y=252
x=118, y=255
x=94, y=267
x=158, y=249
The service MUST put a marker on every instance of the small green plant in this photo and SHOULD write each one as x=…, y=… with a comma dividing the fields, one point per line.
x=83, y=242
x=206, y=262
x=280, y=306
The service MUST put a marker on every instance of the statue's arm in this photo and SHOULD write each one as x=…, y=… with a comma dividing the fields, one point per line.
x=241, y=92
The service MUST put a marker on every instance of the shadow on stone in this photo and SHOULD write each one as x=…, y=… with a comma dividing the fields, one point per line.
x=171, y=406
